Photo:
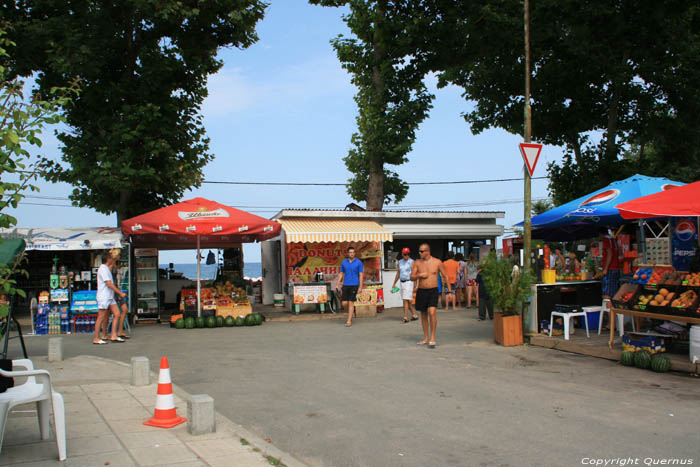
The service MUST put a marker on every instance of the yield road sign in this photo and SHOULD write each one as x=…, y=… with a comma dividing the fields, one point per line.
x=531, y=153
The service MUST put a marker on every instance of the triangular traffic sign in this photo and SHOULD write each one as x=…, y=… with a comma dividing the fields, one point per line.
x=531, y=153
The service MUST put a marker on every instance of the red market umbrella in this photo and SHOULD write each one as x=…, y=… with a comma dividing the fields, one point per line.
x=198, y=221
x=679, y=201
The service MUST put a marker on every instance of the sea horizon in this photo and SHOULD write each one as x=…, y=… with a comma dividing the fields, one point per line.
x=208, y=271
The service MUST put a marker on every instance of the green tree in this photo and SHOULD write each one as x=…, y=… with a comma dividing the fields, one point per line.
x=135, y=140
x=22, y=120
x=392, y=99
x=541, y=205
x=606, y=76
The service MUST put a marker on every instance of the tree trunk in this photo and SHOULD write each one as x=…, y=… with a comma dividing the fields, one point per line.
x=375, y=184
x=375, y=188
x=123, y=211
x=574, y=143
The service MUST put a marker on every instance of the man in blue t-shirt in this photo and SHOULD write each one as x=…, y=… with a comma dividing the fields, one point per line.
x=350, y=279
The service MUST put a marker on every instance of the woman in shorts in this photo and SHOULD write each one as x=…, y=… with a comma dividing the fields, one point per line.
x=471, y=285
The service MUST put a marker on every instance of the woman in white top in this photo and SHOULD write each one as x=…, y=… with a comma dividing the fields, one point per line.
x=106, y=303
x=472, y=287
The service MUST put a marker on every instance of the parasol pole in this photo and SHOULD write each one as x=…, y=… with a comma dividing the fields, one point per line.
x=199, y=285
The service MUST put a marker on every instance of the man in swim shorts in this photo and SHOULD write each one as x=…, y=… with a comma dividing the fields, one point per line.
x=425, y=271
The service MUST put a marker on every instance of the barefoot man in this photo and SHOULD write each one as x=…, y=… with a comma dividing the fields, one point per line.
x=425, y=271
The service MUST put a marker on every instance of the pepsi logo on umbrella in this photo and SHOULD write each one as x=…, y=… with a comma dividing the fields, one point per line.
x=600, y=198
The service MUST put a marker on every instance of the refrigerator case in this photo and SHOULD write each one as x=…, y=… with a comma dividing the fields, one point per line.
x=146, y=280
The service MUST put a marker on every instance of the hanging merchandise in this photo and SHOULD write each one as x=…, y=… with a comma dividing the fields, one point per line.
x=211, y=259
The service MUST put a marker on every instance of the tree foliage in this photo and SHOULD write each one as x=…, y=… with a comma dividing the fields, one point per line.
x=135, y=140
x=607, y=77
x=22, y=120
x=391, y=98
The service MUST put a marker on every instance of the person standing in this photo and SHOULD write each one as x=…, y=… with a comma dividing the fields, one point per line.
x=106, y=303
x=472, y=288
x=121, y=303
x=451, y=269
x=485, y=302
x=461, y=284
x=426, y=271
x=403, y=273
x=611, y=264
x=351, y=280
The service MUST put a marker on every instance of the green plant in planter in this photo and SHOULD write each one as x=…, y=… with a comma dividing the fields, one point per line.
x=508, y=290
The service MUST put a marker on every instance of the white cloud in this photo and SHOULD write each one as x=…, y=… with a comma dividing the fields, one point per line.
x=235, y=90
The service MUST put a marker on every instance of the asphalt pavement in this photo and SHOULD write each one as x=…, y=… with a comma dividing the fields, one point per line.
x=369, y=396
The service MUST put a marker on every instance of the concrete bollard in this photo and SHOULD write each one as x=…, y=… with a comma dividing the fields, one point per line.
x=201, y=418
x=56, y=349
x=140, y=371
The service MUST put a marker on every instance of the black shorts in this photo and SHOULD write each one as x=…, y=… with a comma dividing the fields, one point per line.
x=427, y=298
x=349, y=293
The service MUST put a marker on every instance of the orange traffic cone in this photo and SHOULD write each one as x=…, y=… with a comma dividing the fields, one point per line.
x=165, y=415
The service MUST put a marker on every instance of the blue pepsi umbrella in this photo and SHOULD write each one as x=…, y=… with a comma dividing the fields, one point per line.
x=584, y=216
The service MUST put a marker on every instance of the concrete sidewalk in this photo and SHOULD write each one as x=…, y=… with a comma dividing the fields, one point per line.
x=104, y=425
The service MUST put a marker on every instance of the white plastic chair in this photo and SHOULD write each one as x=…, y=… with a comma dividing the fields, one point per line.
x=605, y=308
x=37, y=389
x=566, y=316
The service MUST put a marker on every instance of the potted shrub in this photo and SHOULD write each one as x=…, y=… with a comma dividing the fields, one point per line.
x=509, y=290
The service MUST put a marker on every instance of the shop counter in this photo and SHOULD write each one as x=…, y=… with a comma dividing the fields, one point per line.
x=646, y=314
x=545, y=296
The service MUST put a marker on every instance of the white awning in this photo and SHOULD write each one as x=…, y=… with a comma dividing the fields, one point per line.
x=334, y=230
x=66, y=238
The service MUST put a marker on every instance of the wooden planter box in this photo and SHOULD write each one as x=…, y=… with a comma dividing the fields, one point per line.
x=508, y=330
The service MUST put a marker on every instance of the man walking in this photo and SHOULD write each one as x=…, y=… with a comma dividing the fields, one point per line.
x=403, y=273
x=425, y=271
x=350, y=279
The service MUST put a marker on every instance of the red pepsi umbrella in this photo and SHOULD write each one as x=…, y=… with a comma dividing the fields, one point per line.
x=198, y=221
x=680, y=201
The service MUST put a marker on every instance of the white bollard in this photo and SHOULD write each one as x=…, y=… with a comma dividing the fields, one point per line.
x=140, y=371
x=56, y=349
x=201, y=417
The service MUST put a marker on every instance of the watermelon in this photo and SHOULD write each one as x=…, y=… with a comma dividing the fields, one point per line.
x=199, y=322
x=179, y=323
x=642, y=359
x=627, y=358
x=250, y=320
x=259, y=318
x=229, y=322
x=219, y=321
x=189, y=322
x=660, y=363
x=240, y=321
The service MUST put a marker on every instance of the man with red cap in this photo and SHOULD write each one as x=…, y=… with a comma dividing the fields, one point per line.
x=403, y=273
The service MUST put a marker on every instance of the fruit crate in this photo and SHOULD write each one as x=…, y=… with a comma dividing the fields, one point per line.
x=653, y=344
x=658, y=276
x=631, y=291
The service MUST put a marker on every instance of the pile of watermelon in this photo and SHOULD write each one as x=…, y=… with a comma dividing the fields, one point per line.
x=659, y=363
x=253, y=319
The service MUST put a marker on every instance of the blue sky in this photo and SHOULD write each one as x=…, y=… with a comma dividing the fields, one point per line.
x=283, y=110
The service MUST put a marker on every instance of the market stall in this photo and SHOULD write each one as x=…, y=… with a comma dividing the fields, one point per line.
x=198, y=223
x=579, y=219
x=314, y=250
x=665, y=292
x=62, y=280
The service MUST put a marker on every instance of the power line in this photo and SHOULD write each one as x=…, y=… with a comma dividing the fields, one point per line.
x=457, y=182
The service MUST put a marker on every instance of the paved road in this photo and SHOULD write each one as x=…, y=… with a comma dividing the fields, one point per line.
x=368, y=396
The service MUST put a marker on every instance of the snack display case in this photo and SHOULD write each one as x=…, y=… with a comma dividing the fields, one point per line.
x=146, y=280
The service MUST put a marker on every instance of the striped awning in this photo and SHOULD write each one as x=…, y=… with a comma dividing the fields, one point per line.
x=334, y=230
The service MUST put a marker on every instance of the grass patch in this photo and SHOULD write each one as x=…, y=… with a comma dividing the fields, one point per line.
x=244, y=442
x=274, y=461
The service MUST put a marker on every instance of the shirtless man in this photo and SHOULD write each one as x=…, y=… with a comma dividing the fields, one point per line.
x=425, y=271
